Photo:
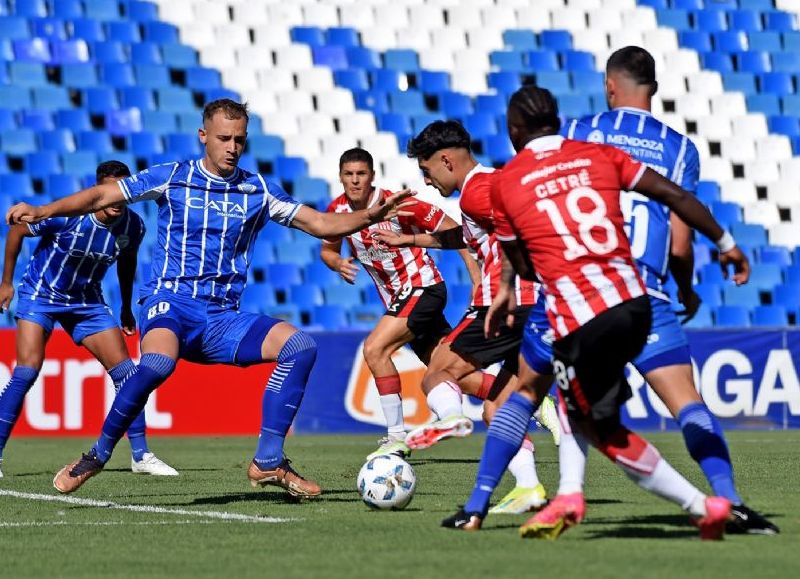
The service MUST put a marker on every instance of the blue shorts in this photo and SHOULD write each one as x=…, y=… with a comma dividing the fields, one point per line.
x=537, y=340
x=666, y=344
x=78, y=321
x=208, y=332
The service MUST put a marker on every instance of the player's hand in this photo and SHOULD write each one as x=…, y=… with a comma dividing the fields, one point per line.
x=394, y=205
x=347, y=270
x=6, y=295
x=500, y=312
x=25, y=213
x=691, y=303
x=741, y=266
x=128, y=322
x=391, y=238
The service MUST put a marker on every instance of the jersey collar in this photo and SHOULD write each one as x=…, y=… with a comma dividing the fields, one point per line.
x=546, y=143
x=474, y=171
x=206, y=173
x=99, y=223
x=636, y=110
x=376, y=193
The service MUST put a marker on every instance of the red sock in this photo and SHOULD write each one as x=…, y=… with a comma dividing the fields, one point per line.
x=487, y=381
x=388, y=385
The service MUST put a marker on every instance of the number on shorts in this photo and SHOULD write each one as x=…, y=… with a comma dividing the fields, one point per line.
x=562, y=374
x=159, y=308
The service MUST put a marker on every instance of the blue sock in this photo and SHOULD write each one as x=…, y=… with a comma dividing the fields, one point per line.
x=706, y=444
x=136, y=432
x=282, y=397
x=503, y=439
x=11, y=398
x=129, y=402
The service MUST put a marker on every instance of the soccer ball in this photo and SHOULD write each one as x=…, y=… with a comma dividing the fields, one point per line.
x=387, y=482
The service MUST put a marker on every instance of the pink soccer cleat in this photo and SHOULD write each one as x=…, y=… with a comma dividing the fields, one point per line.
x=563, y=512
x=712, y=526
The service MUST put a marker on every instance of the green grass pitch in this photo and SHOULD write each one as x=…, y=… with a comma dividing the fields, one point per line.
x=627, y=533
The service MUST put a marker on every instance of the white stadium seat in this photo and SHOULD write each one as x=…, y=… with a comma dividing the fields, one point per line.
x=218, y=57
x=692, y=106
x=379, y=38
x=356, y=16
x=336, y=144
x=643, y=18
x=450, y=39
x=293, y=57
x=322, y=15
x=232, y=35
x=317, y=124
x=416, y=37
x=761, y=171
x=271, y=35
x=469, y=81
x=357, y=124
x=285, y=14
x=198, y=34
x=762, y=213
x=240, y=79
x=392, y=14
x=485, y=40
x=716, y=169
x=260, y=101
x=250, y=13
x=784, y=193
x=750, y=125
x=463, y=19
x=774, y=147
x=534, y=17
x=738, y=191
x=302, y=146
x=280, y=123
x=681, y=61
x=275, y=79
x=707, y=83
x=606, y=20
x=472, y=59
x=213, y=12
x=594, y=41
x=426, y=16
x=436, y=59
x=295, y=102
x=314, y=79
x=499, y=18
x=786, y=234
x=336, y=101
x=729, y=104
x=381, y=145
x=790, y=169
x=714, y=128
x=572, y=19
x=738, y=149
x=624, y=37
x=254, y=56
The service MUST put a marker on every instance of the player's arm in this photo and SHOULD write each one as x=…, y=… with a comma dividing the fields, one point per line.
x=13, y=245
x=323, y=225
x=451, y=238
x=126, y=273
x=331, y=255
x=681, y=264
x=473, y=269
x=504, y=301
x=697, y=216
x=86, y=201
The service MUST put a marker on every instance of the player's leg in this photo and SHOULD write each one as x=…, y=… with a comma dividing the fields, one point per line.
x=270, y=340
x=108, y=346
x=390, y=334
x=31, y=338
x=666, y=365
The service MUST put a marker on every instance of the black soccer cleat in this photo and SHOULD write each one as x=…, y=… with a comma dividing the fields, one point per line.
x=464, y=521
x=746, y=521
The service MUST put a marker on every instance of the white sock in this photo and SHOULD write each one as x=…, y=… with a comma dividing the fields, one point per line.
x=572, y=453
x=668, y=483
x=523, y=466
x=392, y=405
x=445, y=400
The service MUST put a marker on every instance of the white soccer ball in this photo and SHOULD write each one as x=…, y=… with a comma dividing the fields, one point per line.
x=387, y=482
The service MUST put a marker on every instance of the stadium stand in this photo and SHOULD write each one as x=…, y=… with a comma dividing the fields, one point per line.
x=82, y=81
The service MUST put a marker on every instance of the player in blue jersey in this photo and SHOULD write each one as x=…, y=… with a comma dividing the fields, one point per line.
x=209, y=214
x=662, y=243
x=62, y=284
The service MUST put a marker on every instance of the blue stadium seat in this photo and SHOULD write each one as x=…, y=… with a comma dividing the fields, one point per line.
x=330, y=317
x=31, y=8
x=410, y=102
x=784, y=125
x=786, y=295
x=574, y=105
x=42, y=164
x=510, y=60
x=287, y=312
x=743, y=82
x=786, y=62
x=258, y=298
x=15, y=97
x=79, y=163
x=587, y=82
x=401, y=59
x=372, y=100
x=305, y=296
x=732, y=317
x=779, y=83
x=80, y=75
x=290, y=253
x=712, y=274
x=18, y=142
x=101, y=9
x=504, y=82
x=726, y=213
x=555, y=40
x=342, y=295
x=520, y=39
x=141, y=11
x=283, y=274
x=710, y=293
x=695, y=40
x=333, y=57
x=311, y=190
x=88, y=29
x=767, y=104
x=290, y=168
x=123, y=31
x=498, y=148
x=790, y=105
x=342, y=36
x=780, y=21
x=200, y=78
x=420, y=121
x=73, y=119
x=755, y=61
x=160, y=32
x=145, y=144
x=493, y=104
x=730, y=41
x=183, y=145
x=363, y=57
x=318, y=273
x=354, y=79
x=765, y=40
x=772, y=315
x=676, y=19
x=100, y=99
x=96, y=141
x=746, y=20
x=37, y=120
x=58, y=186
x=480, y=125
x=310, y=35
x=179, y=56
x=542, y=60
x=775, y=254
x=16, y=185
x=14, y=27
x=765, y=276
x=397, y=123
x=117, y=75
x=707, y=191
x=152, y=76
x=719, y=61
x=32, y=50
x=702, y=318
x=175, y=99
x=556, y=82
x=745, y=295
x=749, y=234
x=27, y=74
x=67, y=9
x=109, y=52
x=656, y=4
x=265, y=147
x=578, y=60
x=761, y=5
x=365, y=316
x=455, y=104
x=146, y=53
x=433, y=81
x=710, y=20
x=69, y=51
x=8, y=120
x=386, y=80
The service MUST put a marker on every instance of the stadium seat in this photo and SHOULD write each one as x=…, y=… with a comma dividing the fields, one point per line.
x=330, y=317
x=732, y=317
x=306, y=296
x=745, y=295
x=772, y=315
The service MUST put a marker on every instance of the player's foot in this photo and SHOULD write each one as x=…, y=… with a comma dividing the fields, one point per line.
x=464, y=521
x=563, y=512
x=520, y=500
x=548, y=417
x=283, y=476
x=745, y=520
x=390, y=445
x=712, y=526
x=429, y=434
x=151, y=464
x=1, y=470
x=71, y=477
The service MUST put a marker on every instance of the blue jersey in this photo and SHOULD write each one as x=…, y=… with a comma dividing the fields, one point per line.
x=207, y=226
x=664, y=150
x=73, y=256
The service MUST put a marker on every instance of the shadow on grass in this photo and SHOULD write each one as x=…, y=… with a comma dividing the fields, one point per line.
x=643, y=533
x=275, y=496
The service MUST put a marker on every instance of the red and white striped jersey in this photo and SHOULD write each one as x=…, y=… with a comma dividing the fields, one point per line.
x=479, y=235
x=562, y=199
x=394, y=268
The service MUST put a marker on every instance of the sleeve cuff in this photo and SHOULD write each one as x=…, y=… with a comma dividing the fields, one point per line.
x=510, y=237
x=637, y=177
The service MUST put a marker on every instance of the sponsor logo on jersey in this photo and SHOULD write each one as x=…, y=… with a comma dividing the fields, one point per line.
x=93, y=255
x=122, y=241
x=633, y=141
x=376, y=253
x=596, y=136
x=223, y=208
x=246, y=187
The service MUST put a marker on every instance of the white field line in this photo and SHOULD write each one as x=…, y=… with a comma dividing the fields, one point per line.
x=222, y=515
x=106, y=523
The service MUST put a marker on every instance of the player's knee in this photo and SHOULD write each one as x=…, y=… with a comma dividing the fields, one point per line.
x=299, y=346
x=373, y=351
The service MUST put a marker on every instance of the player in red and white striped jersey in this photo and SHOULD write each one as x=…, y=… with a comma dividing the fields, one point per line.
x=443, y=153
x=557, y=211
x=410, y=285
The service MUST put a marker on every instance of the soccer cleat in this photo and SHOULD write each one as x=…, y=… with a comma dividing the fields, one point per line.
x=389, y=445
x=71, y=477
x=520, y=500
x=464, y=521
x=548, y=418
x=745, y=520
x=712, y=526
x=151, y=464
x=563, y=512
x=283, y=476
x=429, y=434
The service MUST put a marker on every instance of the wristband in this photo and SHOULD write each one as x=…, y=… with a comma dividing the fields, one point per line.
x=726, y=242
x=414, y=239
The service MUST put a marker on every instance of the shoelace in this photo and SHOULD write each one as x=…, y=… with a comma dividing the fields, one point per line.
x=287, y=466
x=88, y=462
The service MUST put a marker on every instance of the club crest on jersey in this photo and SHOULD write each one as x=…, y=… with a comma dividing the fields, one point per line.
x=122, y=241
x=246, y=187
x=223, y=208
x=596, y=136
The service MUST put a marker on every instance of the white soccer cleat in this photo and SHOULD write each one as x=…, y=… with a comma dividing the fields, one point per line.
x=390, y=445
x=429, y=434
x=547, y=416
x=151, y=464
x=521, y=500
